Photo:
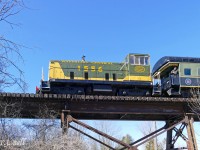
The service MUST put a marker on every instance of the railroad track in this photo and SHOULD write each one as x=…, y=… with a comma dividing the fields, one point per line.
x=29, y=96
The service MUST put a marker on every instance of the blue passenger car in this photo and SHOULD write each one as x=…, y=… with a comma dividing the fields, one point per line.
x=176, y=76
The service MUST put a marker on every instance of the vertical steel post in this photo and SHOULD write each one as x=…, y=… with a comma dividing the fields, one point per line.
x=155, y=139
x=191, y=144
x=169, y=144
x=64, y=122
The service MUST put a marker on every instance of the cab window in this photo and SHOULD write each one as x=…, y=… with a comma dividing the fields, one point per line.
x=131, y=59
x=139, y=60
x=142, y=60
x=146, y=61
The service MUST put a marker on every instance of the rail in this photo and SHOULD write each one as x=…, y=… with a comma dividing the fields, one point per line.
x=95, y=97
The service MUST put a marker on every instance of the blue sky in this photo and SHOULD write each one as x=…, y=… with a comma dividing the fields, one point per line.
x=103, y=30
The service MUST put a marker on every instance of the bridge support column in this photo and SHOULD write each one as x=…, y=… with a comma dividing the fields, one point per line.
x=65, y=121
x=191, y=143
x=190, y=140
x=169, y=144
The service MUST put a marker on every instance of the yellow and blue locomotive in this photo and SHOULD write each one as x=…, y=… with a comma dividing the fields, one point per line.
x=131, y=77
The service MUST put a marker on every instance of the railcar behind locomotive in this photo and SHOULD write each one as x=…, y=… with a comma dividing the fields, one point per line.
x=131, y=77
x=176, y=76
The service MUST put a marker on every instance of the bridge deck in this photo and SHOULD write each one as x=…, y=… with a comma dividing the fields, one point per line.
x=100, y=107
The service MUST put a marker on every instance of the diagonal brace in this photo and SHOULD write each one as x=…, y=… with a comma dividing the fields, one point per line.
x=71, y=119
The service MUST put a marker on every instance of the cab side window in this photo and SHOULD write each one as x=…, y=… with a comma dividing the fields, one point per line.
x=106, y=76
x=131, y=59
x=114, y=77
x=187, y=71
x=146, y=60
x=142, y=61
x=137, y=60
x=71, y=75
x=86, y=75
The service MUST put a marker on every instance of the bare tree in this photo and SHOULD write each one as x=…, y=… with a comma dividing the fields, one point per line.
x=41, y=127
x=108, y=128
x=147, y=128
x=10, y=72
x=58, y=142
x=126, y=139
x=47, y=134
x=9, y=130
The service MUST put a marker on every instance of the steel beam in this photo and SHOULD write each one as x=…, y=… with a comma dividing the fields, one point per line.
x=178, y=133
x=91, y=137
x=192, y=144
x=169, y=144
x=65, y=121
